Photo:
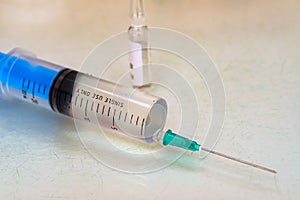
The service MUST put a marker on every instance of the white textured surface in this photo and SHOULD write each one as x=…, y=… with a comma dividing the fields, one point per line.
x=256, y=45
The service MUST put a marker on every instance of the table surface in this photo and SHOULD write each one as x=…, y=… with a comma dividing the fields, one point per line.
x=256, y=47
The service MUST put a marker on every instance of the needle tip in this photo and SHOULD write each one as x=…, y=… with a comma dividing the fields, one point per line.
x=240, y=161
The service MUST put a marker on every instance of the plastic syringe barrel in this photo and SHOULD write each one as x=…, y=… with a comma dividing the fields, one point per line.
x=26, y=77
x=2, y=55
x=72, y=93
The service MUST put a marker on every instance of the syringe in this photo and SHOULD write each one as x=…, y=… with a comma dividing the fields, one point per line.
x=125, y=110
